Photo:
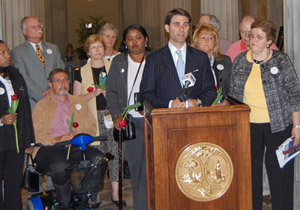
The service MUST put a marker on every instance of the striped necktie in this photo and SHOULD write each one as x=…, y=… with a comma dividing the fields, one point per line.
x=40, y=54
x=180, y=65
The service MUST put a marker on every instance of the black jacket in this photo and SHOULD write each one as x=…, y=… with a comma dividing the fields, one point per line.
x=24, y=119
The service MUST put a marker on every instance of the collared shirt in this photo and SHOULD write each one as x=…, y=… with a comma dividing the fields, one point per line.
x=9, y=88
x=238, y=47
x=60, y=126
x=39, y=44
x=173, y=50
x=9, y=91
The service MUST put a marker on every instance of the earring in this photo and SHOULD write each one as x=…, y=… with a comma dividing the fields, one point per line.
x=146, y=44
x=125, y=46
x=268, y=45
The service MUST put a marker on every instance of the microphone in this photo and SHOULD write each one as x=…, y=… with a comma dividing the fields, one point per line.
x=188, y=80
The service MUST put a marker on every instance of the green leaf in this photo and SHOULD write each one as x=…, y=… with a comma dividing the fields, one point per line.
x=14, y=106
x=219, y=96
x=129, y=108
x=83, y=33
x=70, y=123
x=102, y=82
x=72, y=118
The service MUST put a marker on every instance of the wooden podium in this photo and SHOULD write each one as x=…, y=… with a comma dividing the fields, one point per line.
x=172, y=179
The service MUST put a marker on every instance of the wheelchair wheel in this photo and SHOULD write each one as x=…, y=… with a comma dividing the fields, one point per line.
x=34, y=203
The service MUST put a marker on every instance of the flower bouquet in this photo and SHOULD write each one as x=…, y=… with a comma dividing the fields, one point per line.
x=12, y=109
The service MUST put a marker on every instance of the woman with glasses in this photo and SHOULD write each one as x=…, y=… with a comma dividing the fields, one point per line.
x=266, y=80
x=12, y=150
x=86, y=84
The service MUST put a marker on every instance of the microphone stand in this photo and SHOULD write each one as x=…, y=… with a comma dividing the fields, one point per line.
x=185, y=92
x=120, y=170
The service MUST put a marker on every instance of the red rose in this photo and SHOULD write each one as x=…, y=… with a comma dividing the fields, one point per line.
x=14, y=97
x=75, y=124
x=122, y=123
x=90, y=89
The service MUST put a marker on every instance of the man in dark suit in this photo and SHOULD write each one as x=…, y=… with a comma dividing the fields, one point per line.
x=161, y=82
x=36, y=59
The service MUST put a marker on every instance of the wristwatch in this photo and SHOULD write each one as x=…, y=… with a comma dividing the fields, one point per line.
x=199, y=102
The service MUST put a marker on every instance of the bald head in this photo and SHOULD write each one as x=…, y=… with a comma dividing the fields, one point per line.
x=245, y=29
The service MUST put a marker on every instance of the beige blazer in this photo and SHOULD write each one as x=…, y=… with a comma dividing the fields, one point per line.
x=88, y=81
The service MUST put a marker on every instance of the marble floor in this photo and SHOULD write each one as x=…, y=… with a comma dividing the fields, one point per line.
x=106, y=197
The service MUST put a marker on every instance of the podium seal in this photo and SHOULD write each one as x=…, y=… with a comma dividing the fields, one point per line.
x=204, y=171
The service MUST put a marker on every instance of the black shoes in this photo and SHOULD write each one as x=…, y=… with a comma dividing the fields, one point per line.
x=118, y=203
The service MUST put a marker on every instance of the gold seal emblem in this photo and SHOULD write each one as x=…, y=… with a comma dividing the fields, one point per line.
x=204, y=171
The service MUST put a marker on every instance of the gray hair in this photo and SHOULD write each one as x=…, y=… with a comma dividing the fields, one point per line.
x=108, y=26
x=23, y=26
x=213, y=20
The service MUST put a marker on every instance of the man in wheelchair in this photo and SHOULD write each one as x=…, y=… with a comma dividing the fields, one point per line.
x=50, y=117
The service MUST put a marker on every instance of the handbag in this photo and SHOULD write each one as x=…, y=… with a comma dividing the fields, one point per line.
x=129, y=132
x=31, y=178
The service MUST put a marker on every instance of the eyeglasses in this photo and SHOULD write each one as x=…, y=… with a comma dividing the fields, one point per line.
x=2, y=53
x=61, y=80
x=245, y=32
x=35, y=27
x=258, y=37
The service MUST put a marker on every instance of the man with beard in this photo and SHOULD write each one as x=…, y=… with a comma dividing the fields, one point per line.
x=50, y=125
x=35, y=59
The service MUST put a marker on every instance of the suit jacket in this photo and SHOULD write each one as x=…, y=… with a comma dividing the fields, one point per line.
x=116, y=88
x=24, y=120
x=160, y=82
x=26, y=60
x=222, y=70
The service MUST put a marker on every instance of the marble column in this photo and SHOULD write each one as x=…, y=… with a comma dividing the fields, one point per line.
x=160, y=9
x=228, y=14
x=292, y=48
x=151, y=15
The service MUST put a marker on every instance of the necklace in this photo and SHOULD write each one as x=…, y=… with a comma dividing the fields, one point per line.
x=261, y=61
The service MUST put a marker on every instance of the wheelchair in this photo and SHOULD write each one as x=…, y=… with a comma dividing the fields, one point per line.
x=87, y=178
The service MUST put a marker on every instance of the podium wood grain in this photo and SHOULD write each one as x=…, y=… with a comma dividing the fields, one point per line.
x=169, y=131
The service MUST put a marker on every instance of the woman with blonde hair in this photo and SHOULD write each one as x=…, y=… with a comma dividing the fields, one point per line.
x=206, y=39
